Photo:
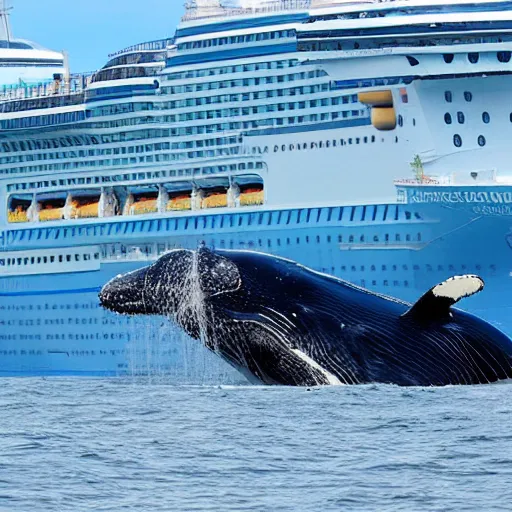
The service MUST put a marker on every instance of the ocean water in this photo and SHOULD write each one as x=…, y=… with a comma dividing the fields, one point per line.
x=133, y=444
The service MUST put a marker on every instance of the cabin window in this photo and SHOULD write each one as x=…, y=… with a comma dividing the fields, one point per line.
x=448, y=96
x=447, y=118
x=468, y=96
x=460, y=117
x=457, y=141
x=486, y=117
x=448, y=57
x=504, y=56
x=473, y=57
x=400, y=121
x=481, y=140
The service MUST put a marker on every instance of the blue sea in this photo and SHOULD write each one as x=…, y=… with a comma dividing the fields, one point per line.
x=136, y=444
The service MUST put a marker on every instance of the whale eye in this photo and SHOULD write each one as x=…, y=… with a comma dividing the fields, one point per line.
x=217, y=274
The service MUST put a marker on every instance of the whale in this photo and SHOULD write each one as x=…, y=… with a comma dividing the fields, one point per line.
x=281, y=323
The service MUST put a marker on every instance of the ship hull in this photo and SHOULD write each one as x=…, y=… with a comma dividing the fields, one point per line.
x=52, y=324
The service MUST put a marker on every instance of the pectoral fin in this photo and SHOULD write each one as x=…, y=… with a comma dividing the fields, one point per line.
x=436, y=303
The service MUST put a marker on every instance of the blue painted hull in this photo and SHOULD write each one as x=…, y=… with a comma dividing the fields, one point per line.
x=52, y=324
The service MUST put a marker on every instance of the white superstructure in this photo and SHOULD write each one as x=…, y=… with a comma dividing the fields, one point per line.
x=24, y=62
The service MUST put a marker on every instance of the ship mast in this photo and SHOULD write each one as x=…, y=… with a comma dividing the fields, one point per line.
x=5, y=25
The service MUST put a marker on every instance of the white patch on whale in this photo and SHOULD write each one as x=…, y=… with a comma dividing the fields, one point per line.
x=459, y=287
x=331, y=379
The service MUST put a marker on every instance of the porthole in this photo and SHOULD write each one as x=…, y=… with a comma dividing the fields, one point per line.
x=504, y=56
x=486, y=117
x=448, y=57
x=473, y=57
x=468, y=96
x=400, y=121
x=457, y=141
x=481, y=140
x=448, y=96
x=460, y=117
x=447, y=118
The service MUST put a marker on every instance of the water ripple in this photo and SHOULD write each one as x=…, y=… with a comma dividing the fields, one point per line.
x=115, y=445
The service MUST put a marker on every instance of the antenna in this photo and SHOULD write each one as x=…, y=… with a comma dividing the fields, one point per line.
x=5, y=25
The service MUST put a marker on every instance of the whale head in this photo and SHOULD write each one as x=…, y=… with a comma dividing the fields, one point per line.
x=232, y=301
x=179, y=276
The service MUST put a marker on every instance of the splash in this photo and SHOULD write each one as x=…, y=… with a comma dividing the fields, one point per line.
x=160, y=351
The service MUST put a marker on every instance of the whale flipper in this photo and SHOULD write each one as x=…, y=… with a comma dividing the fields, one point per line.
x=436, y=303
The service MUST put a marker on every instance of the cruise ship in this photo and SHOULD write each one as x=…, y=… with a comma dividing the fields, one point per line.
x=25, y=63
x=364, y=139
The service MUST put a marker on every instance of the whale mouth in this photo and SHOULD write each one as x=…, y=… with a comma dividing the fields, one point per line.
x=125, y=294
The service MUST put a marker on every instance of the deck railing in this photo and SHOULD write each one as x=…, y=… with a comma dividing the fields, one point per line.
x=159, y=44
x=194, y=13
x=75, y=85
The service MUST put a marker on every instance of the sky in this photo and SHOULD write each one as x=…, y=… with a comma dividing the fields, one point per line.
x=90, y=30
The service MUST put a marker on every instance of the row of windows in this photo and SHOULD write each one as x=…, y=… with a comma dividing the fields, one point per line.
x=82, y=140
x=379, y=42
x=123, y=89
x=226, y=70
x=31, y=337
x=260, y=109
x=234, y=98
x=136, y=58
x=317, y=145
x=55, y=143
x=248, y=38
x=486, y=118
x=126, y=72
x=119, y=108
x=448, y=96
x=352, y=239
x=457, y=140
x=473, y=57
x=45, y=102
x=38, y=260
x=250, y=82
x=139, y=176
x=78, y=153
x=48, y=120
x=173, y=157
x=47, y=307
